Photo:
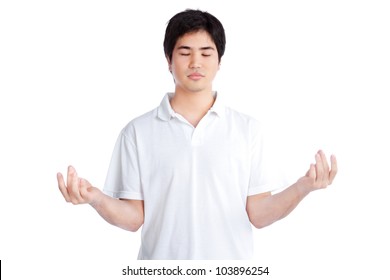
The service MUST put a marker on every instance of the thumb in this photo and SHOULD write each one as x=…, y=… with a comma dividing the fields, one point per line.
x=84, y=183
x=311, y=173
x=85, y=189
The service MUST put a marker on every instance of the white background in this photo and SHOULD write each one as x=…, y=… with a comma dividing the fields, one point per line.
x=73, y=73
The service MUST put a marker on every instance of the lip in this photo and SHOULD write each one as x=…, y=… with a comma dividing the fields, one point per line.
x=195, y=76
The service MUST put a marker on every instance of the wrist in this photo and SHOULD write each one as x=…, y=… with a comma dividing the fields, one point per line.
x=302, y=188
x=97, y=197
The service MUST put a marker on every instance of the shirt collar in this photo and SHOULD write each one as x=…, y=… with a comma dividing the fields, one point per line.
x=166, y=113
x=218, y=106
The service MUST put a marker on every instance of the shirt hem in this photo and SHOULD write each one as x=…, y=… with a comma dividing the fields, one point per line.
x=124, y=195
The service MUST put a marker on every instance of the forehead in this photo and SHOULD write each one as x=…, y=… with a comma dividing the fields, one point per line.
x=196, y=39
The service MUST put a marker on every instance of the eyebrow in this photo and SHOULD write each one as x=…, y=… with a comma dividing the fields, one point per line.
x=189, y=48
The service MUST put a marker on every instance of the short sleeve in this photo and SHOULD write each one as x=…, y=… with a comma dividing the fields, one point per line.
x=123, y=176
x=261, y=179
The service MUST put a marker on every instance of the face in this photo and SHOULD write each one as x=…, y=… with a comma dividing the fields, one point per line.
x=194, y=63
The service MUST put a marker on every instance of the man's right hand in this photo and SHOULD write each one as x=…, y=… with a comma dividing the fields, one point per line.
x=77, y=190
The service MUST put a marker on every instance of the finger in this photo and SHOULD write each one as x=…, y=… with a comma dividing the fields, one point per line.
x=62, y=187
x=325, y=165
x=70, y=174
x=333, y=171
x=319, y=167
x=73, y=186
x=324, y=161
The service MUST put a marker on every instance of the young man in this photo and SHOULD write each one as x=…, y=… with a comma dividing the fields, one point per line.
x=192, y=171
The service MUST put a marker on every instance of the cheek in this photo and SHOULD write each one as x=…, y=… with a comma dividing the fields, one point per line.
x=215, y=69
x=178, y=65
x=177, y=73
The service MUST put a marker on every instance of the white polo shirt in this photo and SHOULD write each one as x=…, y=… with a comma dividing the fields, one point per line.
x=194, y=181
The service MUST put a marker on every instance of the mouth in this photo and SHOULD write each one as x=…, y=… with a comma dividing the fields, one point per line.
x=195, y=76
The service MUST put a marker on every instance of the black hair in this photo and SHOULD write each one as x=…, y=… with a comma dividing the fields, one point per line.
x=192, y=21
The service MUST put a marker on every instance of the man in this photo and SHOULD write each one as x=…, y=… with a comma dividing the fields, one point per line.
x=192, y=171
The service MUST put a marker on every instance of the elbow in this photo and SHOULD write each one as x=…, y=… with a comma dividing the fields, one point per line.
x=135, y=225
x=255, y=219
x=260, y=211
x=259, y=223
x=133, y=228
x=133, y=216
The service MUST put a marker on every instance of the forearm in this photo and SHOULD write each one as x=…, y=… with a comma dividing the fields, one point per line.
x=125, y=214
x=265, y=211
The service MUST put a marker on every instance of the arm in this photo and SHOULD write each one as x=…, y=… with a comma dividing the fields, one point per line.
x=126, y=214
x=265, y=209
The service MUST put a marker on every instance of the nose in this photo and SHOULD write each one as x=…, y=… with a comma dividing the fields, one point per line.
x=195, y=61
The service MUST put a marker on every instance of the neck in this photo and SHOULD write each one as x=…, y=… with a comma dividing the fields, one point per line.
x=192, y=106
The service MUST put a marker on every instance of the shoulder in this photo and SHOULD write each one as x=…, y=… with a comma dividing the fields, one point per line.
x=241, y=119
x=140, y=123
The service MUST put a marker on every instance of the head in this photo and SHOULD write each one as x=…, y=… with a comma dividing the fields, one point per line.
x=191, y=21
